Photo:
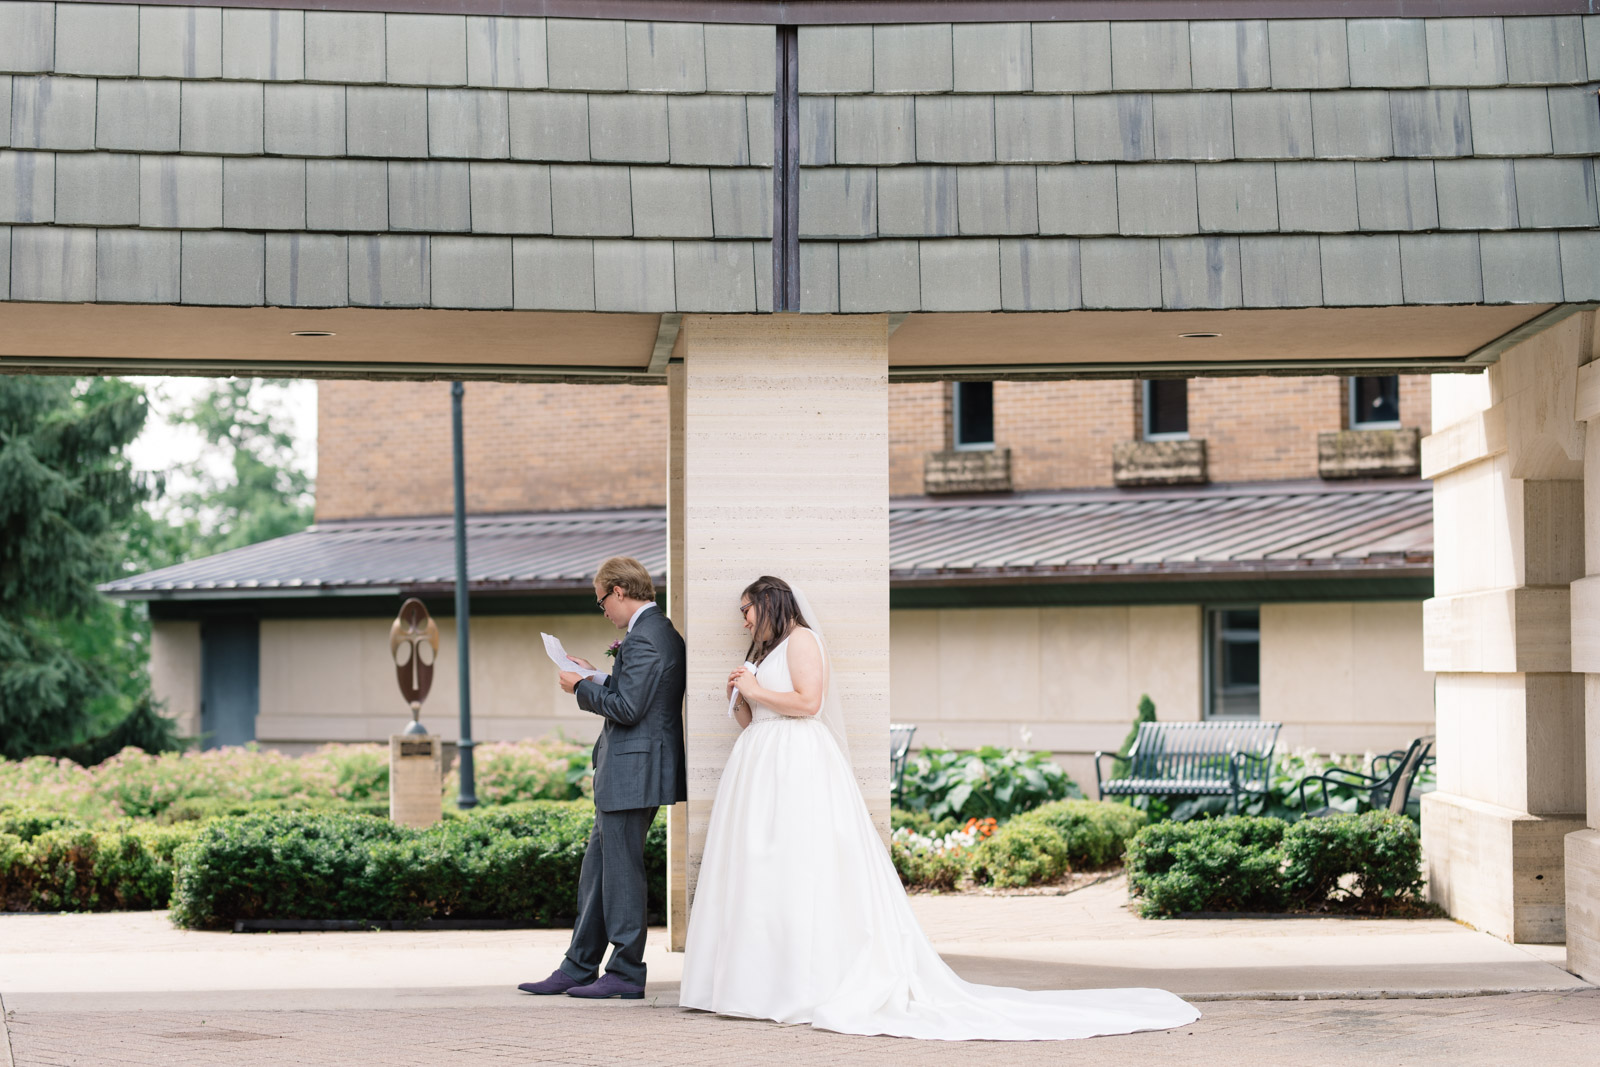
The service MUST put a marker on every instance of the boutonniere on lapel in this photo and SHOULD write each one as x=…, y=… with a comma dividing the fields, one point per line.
x=612, y=651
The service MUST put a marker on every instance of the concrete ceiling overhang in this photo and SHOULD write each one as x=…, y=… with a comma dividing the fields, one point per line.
x=422, y=344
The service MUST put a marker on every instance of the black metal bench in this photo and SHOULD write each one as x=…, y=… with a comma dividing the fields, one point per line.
x=1387, y=785
x=1194, y=759
x=900, y=735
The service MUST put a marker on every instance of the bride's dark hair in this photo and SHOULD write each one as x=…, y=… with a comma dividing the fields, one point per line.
x=776, y=614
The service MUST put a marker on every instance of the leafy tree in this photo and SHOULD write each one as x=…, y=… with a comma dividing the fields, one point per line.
x=70, y=670
x=262, y=496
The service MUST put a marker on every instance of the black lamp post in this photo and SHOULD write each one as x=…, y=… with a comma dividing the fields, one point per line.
x=469, y=796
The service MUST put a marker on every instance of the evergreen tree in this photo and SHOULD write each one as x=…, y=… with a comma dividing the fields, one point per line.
x=71, y=667
x=1146, y=713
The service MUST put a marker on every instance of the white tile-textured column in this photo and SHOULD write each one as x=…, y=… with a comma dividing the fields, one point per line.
x=786, y=461
x=1507, y=466
x=1583, y=846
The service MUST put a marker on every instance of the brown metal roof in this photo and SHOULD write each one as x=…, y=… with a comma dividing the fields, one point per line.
x=1284, y=529
x=549, y=552
x=1287, y=529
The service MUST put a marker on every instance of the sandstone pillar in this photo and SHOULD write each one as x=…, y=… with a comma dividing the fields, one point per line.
x=1583, y=845
x=678, y=814
x=786, y=472
x=1508, y=531
x=416, y=779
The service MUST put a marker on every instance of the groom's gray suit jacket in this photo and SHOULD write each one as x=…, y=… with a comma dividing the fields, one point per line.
x=639, y=760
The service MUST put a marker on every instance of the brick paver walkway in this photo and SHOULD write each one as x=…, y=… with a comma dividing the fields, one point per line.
x=1548, y=1029
x=128, y=989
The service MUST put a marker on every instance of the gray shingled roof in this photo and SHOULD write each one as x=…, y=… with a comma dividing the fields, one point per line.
x=1295, y=529
x=158, y=155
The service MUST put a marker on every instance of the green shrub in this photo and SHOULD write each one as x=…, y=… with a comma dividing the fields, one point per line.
x=552, y=768
x=1380, y=852
x=1088, y=835
x=135, y=784
x=293, y=865
x=1096, y=832
x=1229, y=864
x=1020, y=853
x=360, y=772
x=984, y=783
x=519, y=862
x=925, y=863
x=29, y=823
x=920, y=822
x=194, y=809
x=77, y=868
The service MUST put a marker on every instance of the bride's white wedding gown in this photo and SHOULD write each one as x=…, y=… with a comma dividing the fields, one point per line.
x=800, y=917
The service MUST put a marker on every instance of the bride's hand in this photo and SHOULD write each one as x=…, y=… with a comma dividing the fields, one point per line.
x=743, y=680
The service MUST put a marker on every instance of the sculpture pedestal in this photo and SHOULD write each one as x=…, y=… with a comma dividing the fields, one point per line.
x=416, y=779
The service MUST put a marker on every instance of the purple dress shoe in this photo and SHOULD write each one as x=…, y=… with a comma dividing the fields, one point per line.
x=608, y=986
x=558, y=982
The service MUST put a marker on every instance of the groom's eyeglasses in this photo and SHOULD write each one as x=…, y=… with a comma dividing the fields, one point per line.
x=601, y=603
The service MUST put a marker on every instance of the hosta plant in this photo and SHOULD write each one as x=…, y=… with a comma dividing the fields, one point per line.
x=984, y=783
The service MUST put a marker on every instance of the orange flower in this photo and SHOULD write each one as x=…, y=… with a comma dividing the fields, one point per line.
x=981, y=827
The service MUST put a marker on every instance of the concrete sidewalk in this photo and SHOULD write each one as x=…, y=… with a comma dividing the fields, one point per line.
x=84, y=988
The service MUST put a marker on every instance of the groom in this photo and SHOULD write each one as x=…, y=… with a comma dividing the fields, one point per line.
x=638, y=766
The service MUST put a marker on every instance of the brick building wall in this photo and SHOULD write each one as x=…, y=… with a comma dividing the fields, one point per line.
x=1260, y=429
x=1061, y=433
x=384, y=448
x=919, y=423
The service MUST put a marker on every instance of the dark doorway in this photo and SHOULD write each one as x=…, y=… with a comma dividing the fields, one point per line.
x=230, y=681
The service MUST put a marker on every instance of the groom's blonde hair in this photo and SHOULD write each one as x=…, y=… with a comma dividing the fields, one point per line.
x=628, y=573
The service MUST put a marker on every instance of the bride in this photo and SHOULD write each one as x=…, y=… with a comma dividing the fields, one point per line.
x=799, y=916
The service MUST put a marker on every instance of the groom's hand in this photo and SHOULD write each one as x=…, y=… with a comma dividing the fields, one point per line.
x=580, y=661
x=570, y=680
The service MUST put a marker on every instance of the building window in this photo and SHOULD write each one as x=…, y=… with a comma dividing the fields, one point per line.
x=973, y=415
x=1166, y=409
x=1233, y=663
x=1375, y=403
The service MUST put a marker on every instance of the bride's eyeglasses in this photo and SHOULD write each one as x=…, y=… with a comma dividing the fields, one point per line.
x=744, y=610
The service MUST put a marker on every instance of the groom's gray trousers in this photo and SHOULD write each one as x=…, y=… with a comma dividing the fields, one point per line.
x=612, y=901
x=638, y=766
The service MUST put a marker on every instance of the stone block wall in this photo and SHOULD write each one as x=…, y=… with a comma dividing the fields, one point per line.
x=1257, y=163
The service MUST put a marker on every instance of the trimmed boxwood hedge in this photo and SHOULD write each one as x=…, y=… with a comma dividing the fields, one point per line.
x=518, y=862
x=1368, y=863
x=51, y=862
x=1096, y=832
x=1054, y=838
x=196, y=809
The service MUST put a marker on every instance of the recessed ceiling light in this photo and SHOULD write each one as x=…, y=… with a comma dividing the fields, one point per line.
x=1197, y=336
x=313, y=333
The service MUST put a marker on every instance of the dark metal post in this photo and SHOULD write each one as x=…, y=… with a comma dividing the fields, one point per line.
x=786, y=173
x=469, y=795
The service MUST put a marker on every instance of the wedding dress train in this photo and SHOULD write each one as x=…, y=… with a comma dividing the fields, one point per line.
x=799, y=916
